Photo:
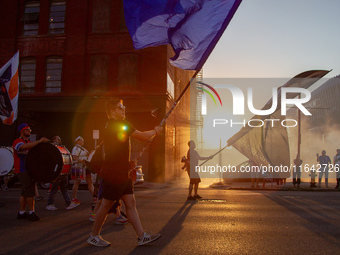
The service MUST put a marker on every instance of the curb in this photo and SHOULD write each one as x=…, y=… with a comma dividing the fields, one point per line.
x=308, y=189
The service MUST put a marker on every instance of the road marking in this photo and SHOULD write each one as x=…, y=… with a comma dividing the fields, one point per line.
x=213, y=200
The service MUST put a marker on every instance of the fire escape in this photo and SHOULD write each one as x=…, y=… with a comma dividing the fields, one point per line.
x=199, y=116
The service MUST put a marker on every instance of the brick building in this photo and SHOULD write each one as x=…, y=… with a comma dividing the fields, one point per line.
x=74, y=55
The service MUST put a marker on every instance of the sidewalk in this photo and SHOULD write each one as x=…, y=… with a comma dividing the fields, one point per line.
x=183, y=181
x=304, y=186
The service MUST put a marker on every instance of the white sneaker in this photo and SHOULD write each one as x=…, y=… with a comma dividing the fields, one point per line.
x=146, y=238
x=71, y=206
x=98, y=241
x=121, y=220
x=51, y=208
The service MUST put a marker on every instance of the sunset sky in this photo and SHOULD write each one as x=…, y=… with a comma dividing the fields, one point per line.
x=280, y=39
x=274, y=39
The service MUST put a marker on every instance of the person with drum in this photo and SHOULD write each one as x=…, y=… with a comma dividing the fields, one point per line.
x=21, y=147
x=56, y=140
x=79, y=155
x=115, y=172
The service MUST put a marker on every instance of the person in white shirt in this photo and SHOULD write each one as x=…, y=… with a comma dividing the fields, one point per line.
x=79, y=154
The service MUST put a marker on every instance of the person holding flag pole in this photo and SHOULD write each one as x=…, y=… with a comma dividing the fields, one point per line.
x=117, y=182
x=152, y=24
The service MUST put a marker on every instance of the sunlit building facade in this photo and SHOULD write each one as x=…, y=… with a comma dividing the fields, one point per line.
x=74, y=55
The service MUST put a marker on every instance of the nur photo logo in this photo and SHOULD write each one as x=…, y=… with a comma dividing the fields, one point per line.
x=239, y=98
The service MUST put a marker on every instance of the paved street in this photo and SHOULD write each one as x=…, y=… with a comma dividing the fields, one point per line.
x=224, y=222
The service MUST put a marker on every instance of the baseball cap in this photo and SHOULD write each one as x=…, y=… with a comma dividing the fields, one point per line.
x=79, y=138
x=23, y=126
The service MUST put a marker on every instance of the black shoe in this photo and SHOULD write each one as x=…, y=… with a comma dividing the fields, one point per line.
x=2, y=204
x=191, y=198
x=22, y=216
x=197, y=196
x=33, y=217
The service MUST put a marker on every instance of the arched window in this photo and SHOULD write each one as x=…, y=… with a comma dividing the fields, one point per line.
x=53, y=74
x=127, y=72
x=99, y=72
x=27, y=75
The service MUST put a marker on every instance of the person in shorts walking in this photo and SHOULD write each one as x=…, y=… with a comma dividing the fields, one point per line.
x=115, y=172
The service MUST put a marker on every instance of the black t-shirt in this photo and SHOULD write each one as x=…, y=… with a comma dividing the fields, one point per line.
x=117, y=149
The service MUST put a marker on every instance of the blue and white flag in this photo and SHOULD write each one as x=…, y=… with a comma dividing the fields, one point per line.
x=191, y=27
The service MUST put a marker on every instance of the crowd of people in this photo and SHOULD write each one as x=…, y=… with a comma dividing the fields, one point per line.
x=115, y=185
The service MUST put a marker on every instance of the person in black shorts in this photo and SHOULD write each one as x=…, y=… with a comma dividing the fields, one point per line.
x=115, y=172
x=21, y=147
x=192, y=161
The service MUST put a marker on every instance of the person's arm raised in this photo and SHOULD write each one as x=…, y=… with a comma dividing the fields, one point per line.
x=146, y=135
x=28, y=146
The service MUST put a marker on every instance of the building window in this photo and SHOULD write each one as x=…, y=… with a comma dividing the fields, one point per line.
x=53, y=74
x=101, y=17
x=127, y=72
x=57, y=17
x=31, y=18
x=99, y=72
x=123, y=26
x=170, y=86
x=27, y=75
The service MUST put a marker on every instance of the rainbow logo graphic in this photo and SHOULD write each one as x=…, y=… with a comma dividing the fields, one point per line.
x=209, y=93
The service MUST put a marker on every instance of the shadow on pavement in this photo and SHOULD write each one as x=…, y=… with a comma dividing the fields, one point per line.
x=172, y=228
x=51, y=241
x=314, y=220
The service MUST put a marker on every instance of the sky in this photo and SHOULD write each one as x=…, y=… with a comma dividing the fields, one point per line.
x=276, y=38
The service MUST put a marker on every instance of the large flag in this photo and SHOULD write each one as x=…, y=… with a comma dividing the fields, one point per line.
x=269, y=145
x=9, y=90
x=191, y=27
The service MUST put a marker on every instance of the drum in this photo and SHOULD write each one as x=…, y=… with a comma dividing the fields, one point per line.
x=48, y=163
x=6, y=160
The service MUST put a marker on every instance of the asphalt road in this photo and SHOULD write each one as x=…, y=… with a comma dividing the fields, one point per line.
x=224, y=222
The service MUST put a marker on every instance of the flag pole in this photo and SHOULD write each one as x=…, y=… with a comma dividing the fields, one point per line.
x=214, y=154
x=167, y=115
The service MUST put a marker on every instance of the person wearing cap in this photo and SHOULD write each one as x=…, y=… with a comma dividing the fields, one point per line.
x=336, y=161
x=21, y=147
x=79, y=154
